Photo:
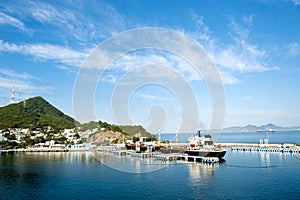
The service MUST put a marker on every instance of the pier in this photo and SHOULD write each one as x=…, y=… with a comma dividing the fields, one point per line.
x=158, y=156
x=267, y=149
x=229, y=145
x=32, y=150
x=280, y=148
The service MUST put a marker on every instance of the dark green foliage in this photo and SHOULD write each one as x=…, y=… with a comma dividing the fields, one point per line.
x=133, y=130
x=34, y=113
x=49, y=137
x=61, y=140
x=104, y=125
x=39, y=139
x=111, y=127
x=115, y=128
x=22, y=145
x=8, y=145
x=115, y=141
x=10, y=137
x=29, y=141
x=89, y=125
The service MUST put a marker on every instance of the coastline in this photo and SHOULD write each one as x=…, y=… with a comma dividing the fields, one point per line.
x=169, y=146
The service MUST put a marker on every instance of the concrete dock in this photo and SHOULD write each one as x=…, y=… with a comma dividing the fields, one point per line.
x=32, y=150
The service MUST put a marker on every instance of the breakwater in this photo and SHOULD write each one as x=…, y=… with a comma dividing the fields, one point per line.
x=32, y=150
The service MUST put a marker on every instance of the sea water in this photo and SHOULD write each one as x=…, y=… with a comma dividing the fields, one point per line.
x=82, y=175
x=290, y=137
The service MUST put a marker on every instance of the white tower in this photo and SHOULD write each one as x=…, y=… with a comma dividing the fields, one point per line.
x=12, y=98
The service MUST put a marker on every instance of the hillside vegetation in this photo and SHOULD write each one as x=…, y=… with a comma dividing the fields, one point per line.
x=135, y=130
x=104, y=132
x=34, y=113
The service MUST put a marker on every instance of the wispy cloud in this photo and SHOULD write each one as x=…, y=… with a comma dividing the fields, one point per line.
x=23, y=82
x=12, y=74
x=50, y=52
x=153, y=97
x=85, y=21
x=9, y=20
x=46, y=13
x=293, y=49
x=296, y=2
x=239, y=56
x=166, y=67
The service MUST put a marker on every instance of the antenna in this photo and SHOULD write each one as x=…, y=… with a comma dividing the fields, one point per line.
x=19, y=97
x=12, y=98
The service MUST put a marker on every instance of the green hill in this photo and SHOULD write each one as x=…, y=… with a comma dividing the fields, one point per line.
x=133, y=130
x=34, y=113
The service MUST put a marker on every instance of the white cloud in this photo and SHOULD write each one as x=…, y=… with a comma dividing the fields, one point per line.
x=171, y=68
x=45, y=13
x=6, y=19
x=86, y=21
x=293, y=49
x=236, y=58
x=50, y=52
x=153, y=97
x=202, y=32
x=109, y=78
x=296, y=2
x=24, y=83
x=12, y=74
x=228, y=78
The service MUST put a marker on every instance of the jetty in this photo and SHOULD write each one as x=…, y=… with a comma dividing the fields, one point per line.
x=157, y=155
x=267, y=149
x=266, y=145
x=32, y=150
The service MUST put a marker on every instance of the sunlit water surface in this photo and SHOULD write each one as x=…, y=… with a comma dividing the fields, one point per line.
x=75, y=175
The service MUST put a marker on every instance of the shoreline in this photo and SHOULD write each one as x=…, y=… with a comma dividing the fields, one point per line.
x=169, y=146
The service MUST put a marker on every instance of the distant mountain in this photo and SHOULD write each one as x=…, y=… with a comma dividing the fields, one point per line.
x=253, y=128
x=34, y=113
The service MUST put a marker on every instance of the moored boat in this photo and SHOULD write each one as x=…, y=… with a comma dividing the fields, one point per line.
x=142, y=145
x=268, y=130
x=203, y=146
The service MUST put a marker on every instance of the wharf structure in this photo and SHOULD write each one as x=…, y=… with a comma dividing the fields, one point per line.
x=157, y=155
x=32, y=150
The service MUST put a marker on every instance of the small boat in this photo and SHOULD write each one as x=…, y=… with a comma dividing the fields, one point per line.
x=142, y=145
x=268, y=130
x=203, y=146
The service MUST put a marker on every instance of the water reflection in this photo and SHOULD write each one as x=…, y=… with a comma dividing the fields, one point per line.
x=130, y=164
x=201, y=172
x=259, y=159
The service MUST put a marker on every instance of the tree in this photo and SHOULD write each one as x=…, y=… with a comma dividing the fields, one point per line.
x=49, y=137
x=39, y=139
x=115, y=141
x=76, y=136
x=22, y=145
x=29, y=141
x=10, y=136
x=62, y=139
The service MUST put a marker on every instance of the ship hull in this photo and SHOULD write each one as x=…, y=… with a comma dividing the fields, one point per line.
x=206, y=153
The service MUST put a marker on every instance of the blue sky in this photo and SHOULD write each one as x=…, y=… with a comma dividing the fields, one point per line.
x=255, y=45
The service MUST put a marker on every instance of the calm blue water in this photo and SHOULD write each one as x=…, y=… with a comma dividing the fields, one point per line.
x=252, y=137
x=86, y=175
